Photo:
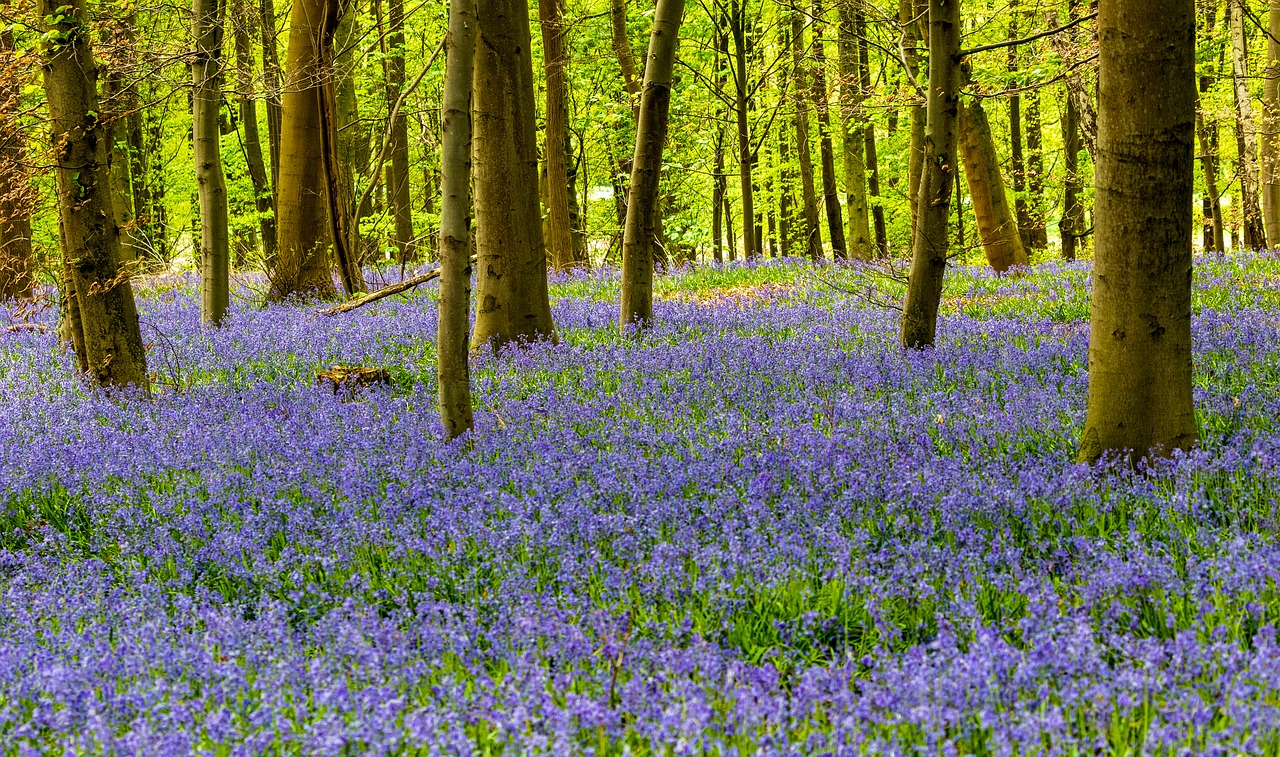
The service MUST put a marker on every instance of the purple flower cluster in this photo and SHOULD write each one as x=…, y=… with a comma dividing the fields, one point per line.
x=759, y=528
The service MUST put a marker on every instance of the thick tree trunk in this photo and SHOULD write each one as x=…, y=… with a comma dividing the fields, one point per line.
x=809, y=195
x=555, y=56
x=997, y=229
x=1140, y=368
x=1255, y=236
x=303, y=226
x=512, y=280
x=453, y=370
x=243, y=17
x=207, y=18
x=932, y=245
x=852, y=96
x=826, y=150
x=113, y=351
x=737, y=22
x=16, y=197
x=651, y=134
x=398, y=168
x=1270, y=135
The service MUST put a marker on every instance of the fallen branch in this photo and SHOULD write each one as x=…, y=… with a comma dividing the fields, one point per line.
x=386, y=291
x=40, y=327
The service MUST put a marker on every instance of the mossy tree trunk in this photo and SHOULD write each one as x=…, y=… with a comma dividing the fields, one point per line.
x=997, y=229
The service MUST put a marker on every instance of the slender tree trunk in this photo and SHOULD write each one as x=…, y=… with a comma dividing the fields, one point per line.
x=852, y=96
x=1018, y=168
x=908, y=11
x=512, y=281
x=720, y=188
x=997, y=229
x=737, y=22
x=271, y=78
x=1035, y=174
x=1246, y=136
x=1270, y=137
x=826, y=150
x=555, y=55
x=809, y=196
x=16, y=197
x=248, y=108
x=1140, y=368
x=1081, y=89
x=1071, y=226
x=931, y=245
x=869, y=142
x=655, y=102
x=398, y=168
x=622, y=51
x=453, y=370
x=207, y=18
x=113, y=350
x=1215, y=237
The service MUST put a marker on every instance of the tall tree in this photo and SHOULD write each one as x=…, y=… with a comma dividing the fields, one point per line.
x=1270, y=134
x=453, y=370
x=1254, y=233
x=1140, y=368
x=98, y=284
x=555, y=57
x=869, y=141
x=826, y=150
x=16, y=197
x=512, y=294
x=809, y=195
x=746, y=156
x=398, y=169
x=655, y=103
x=997, y=229
x=931, y=244
x=853, y=115
x=1071, y=226
x=912, y=16
x=1215, y=236
x=243, y=20
x=207, y=25
x=272, y=86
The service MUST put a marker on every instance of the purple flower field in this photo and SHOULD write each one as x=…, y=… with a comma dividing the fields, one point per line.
x=760, y=528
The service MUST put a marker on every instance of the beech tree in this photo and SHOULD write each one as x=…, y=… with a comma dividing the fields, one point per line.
x=1140, y=400
x=207, y=17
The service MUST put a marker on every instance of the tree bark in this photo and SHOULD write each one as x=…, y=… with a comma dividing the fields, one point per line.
x=1254, y=232
x=248, y=107
x=852, y=96
x=622, y=51
x=931, y=244
x=1017, y=163
x=1140, y=397
x=303, y=226
x=16, y=197
x=271, y=79
x=737, y=23
x=453, y=369
x=1036, y=235
x=997, y=229
x=1270, y=136
x=826, y=150
x=908, y=11
x=103, y=297
x=869, y=142
x=512, y=281
x=1071, y=227
x=555, y=56
x=207, y=23
x=720, y=183
x=651, y=134
x=809, y=195
x=1215, y=237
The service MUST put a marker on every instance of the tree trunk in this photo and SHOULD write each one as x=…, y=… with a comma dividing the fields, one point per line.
x=1215, y=237
x=997, y=229
x=242, y=20
x=852, y=95
x=555, y=55
x=720, y=188
x=398, y=169
x=1255, y=236
x=16, y=196
x=737, y=22
x=1036, y=235
x=1140, y=367
x=809, y=196
x=211, y=182
x=826, y=150
x=908, y=11
x=622, y=51
x=1270, y=136
x=302, y=210
x=1017, y=167
x=651, y=134
x=512, y=281
x=931, y=245
x=1071, y=227
x=113, y=350
x=869, y=142
x=453, y=369
x=1081, y=89
x=271, y=79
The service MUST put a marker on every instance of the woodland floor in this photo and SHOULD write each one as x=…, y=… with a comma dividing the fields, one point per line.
x=759, y=528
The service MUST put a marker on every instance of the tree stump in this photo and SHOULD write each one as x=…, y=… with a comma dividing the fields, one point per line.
x=352, y=377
